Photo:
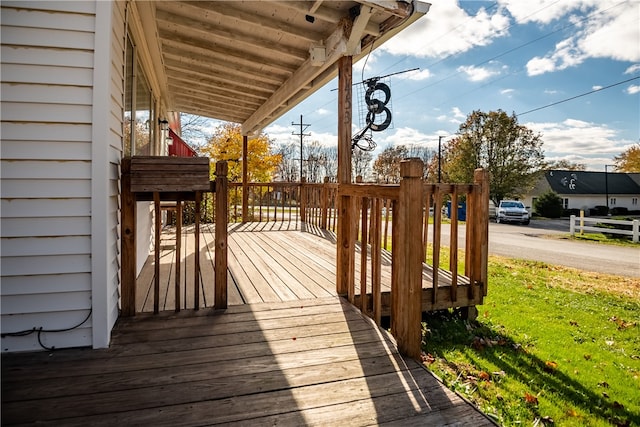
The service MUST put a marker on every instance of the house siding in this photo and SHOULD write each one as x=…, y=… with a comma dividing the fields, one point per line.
x=57, y=252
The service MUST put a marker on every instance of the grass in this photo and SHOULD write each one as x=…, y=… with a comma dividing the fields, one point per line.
x=551, y=346
x=617, y=240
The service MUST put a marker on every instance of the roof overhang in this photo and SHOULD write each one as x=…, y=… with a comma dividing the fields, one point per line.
x=250, y=62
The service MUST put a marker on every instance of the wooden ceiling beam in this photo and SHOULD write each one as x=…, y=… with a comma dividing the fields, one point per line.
x=216, y=63
x=215, y=34
x=221, y=73
x=228, y=12
x=335, y=48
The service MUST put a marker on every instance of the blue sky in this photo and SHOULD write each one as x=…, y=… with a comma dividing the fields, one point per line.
x=511, y=55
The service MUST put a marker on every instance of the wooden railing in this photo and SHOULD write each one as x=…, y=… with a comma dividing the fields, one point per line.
x=369, y=210
x=171, y=179
x=272, y=201
x=318, y=205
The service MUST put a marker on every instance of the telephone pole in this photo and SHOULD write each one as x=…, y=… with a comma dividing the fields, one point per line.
x=303, y=127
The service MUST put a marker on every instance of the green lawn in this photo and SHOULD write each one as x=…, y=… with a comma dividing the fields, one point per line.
x=551, y=346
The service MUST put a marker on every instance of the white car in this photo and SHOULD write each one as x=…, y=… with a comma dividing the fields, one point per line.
x=512, y=211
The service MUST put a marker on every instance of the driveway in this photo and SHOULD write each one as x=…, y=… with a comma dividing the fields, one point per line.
x=543, y=240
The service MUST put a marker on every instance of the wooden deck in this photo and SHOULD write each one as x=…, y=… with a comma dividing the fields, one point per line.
x=269, y=262
x=302, y=362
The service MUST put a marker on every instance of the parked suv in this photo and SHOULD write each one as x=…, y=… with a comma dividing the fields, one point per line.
x=512, y=211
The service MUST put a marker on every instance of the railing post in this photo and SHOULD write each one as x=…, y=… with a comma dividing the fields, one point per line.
x=324, y=203
x=245, y=178
x=481, y=239
x=303, y=199
x=406, y=296
x=221, y=229
x=128, y=243
x=635, y=228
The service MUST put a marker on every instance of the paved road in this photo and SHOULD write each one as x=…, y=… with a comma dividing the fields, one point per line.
x=541, y=241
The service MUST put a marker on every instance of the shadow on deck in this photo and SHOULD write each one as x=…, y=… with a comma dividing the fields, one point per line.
x=304, y=362
x=287, y=351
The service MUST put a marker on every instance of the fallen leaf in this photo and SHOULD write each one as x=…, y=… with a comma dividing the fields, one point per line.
x=530, y=398
x=550, y=366
x=605, y=394
x=573, y=323
x=617, y=405
x=572, y=413
x=484, y=376
x=587, y=357
x=603, y=384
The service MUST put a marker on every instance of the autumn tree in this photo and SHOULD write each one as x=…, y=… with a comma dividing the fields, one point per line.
x=511, y=153
x=226, y=144
x=387, y=164
x=629, y=160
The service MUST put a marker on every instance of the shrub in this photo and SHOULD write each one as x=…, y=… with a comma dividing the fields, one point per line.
x=599, y=210
x=549, y=205
x=619, y=211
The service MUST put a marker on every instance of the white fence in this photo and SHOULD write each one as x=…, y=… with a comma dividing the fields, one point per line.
x=634, y=232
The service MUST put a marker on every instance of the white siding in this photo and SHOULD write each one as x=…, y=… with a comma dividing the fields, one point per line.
x=47, y=151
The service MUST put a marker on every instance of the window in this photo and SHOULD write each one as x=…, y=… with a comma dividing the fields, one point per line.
x=565, y=203
x=634, y=201
x=139, y=116
x=612, y=201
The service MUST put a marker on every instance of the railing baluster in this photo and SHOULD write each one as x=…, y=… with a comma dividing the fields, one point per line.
x=453, y=245
x=437, y=228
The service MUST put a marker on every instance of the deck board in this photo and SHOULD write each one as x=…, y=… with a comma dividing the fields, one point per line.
x=304, y=362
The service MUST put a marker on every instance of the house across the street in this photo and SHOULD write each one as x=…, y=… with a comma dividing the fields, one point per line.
x=590, y=191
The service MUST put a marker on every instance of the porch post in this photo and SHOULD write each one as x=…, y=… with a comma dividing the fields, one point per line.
x=324, y=203
x=220, y=292
x=245, y=177
x=304, y=200
x=128, y=243
x=406, y=295
x=346, y=240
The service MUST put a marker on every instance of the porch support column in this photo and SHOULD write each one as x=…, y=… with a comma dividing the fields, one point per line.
x=345, y=231
x=245, y=177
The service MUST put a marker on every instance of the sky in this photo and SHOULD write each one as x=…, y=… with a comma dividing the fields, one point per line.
x=519, y=56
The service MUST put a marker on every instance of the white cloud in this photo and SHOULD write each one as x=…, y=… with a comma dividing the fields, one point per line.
x=507, y=91
x=583, y=142
x=550, y=91
x=612, y=31
x=477, y=74
x=458, y=114
x=542, y=12
x=322, y=112
x=447, y=29
x=633, y=69
x=596, y=87
x=633, y=89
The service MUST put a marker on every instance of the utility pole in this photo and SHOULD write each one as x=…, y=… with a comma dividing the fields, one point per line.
x=303, y=127
x=440, y=158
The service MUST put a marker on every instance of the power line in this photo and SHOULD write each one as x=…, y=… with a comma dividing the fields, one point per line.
x=578, y=96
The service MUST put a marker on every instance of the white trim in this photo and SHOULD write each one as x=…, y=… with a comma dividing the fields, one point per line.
x=100, y=289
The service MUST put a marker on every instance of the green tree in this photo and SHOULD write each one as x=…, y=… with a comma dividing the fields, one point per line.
x=566, y=165
x=549, y=205
x=629, y=160
x=226, y=144
x=511, y=153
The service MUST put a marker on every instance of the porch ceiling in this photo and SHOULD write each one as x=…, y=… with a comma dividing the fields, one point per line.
x=249, y=62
